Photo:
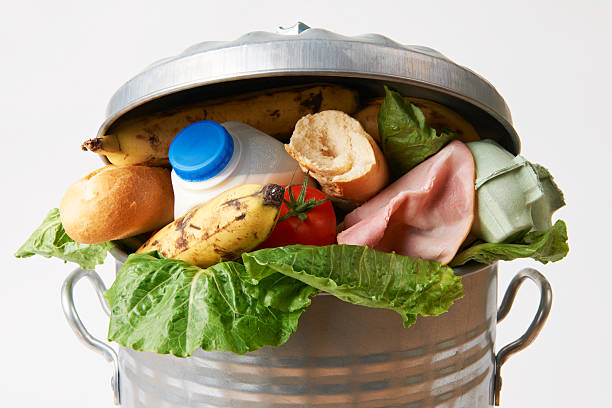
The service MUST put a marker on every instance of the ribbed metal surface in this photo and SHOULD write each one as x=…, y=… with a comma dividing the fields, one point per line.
x=341, y=356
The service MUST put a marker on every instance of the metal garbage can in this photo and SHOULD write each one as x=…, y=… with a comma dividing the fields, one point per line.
x=342, y=355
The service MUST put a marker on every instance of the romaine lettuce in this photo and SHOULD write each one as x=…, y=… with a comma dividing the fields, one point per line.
x=363, y=276
x=169, y=306
x=50, y=239
x=544, y=246
x=406, y=138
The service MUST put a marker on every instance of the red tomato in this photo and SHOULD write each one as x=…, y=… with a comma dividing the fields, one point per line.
x=317, y=225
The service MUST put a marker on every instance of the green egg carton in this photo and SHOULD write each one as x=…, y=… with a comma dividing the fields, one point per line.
x=513, y=196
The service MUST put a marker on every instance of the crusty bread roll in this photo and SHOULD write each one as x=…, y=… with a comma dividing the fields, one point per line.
x=340, y=155
x=117, y=202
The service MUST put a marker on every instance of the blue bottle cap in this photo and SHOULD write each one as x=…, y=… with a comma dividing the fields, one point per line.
x=201, y=150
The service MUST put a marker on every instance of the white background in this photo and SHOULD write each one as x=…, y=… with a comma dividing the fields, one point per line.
x=61, y=61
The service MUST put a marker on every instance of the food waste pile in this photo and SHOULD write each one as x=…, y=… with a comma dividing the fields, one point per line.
x=236, y=212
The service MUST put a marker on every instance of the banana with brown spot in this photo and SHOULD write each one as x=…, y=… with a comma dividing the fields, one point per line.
x=234, y=222
x=145, y=140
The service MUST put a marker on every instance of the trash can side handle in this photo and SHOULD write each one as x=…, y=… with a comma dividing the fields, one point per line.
x=534, y=328
x=75, y=323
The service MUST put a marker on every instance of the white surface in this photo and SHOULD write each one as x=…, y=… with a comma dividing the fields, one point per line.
x=61, y=62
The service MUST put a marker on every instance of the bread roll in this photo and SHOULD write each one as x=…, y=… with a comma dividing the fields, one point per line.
x=117, y=202
x=340, y=155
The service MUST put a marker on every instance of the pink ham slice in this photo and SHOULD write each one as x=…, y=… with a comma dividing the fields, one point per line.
x=427, y=213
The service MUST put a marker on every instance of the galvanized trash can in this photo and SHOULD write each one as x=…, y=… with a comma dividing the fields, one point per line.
x=342, y=355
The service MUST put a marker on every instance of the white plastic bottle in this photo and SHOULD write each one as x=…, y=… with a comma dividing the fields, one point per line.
x=209, y=158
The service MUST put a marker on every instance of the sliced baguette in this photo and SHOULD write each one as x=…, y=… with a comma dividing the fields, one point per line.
x=340, y=155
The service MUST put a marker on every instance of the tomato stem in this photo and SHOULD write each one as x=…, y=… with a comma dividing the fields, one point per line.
x=298, y=207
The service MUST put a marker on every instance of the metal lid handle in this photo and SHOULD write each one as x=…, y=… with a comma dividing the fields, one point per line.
x=534, y=328
x=74, y=321
x=296, y=29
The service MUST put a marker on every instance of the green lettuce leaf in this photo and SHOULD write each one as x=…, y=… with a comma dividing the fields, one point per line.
x=544, y=246
x=50, y=239
x=406, y=139
x=363, y=276
x=168, y=306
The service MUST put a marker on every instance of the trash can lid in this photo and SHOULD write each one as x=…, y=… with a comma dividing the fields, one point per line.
x=300, y=54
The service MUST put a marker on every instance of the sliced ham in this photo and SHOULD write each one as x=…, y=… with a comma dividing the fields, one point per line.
x=427, y=213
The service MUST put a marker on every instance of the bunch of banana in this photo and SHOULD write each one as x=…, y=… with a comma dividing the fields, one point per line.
x=234, y=222
x=146, y=140
x=437, y=116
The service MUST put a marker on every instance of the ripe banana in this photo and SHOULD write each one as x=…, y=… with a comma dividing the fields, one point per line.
x=146, y=140
x=234, y=222
x=437, y=116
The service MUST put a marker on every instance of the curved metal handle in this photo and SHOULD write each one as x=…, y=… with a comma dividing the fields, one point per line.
x=534, y=328
x=77, y=325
